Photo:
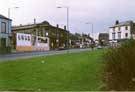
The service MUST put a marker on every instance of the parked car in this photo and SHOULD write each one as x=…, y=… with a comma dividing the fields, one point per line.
x=99, y=47
x=84, y=46
x=63, y=47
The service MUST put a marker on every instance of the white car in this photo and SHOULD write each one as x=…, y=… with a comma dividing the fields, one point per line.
x=99, y=47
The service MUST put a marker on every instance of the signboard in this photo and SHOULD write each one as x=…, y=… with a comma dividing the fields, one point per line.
x=23, y=39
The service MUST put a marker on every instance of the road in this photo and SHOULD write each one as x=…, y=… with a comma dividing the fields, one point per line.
x=14, y=56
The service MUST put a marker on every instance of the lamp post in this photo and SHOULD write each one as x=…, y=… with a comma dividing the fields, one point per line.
x=92, y=28
x=92, y=31
x=9, y=10
x=67, y=8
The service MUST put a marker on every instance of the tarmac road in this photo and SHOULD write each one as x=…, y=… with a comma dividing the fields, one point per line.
x=14, y=56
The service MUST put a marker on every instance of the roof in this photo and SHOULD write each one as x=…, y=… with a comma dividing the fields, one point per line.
x=125, y=23
x=23, y=27
x=104, y=34
x=3, y=17
x=29, y=26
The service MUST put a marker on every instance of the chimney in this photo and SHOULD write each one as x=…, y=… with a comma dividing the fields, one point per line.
x=117, y=22
x=65, y=28
x=34, y=21
x=57, y=26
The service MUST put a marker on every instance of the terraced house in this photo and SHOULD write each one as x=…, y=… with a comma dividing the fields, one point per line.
x=5, y=34
x=121, y=31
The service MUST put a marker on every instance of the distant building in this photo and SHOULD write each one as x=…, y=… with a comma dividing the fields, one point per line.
x=87, y=41
x=103, y=39
x=5, y=34
x=58, y=37
x=121, y=31
x=80, y=40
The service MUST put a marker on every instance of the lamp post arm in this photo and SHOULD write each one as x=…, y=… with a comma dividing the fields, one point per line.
x=8, y=12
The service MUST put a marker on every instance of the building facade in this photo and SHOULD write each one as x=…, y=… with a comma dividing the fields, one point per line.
x=28, y=42
x=57, y=36
x=121, y=31
x=5, y=34
x=80, y=40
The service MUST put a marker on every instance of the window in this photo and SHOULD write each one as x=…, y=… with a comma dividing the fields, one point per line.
x=25, y=38
x=119, y=35
x=41, y=40
x=113, y=36
x=126, y=35
x=45, y=41
x=126, y=27
x=39, y=33
x=119, y=28
x=113, y=29
x=19, y=37
x=22, y=37
x=3, y=27
x=28, y=38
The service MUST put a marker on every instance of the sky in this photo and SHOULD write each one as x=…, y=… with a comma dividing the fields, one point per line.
x=101, y=13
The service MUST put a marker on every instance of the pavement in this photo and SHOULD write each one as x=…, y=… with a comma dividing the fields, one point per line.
x=14, y=56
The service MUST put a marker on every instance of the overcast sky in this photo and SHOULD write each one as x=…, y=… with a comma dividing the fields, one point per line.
x=102, y=13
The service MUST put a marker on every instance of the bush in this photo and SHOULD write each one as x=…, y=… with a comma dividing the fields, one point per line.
x=5, y=50
x=120, y=67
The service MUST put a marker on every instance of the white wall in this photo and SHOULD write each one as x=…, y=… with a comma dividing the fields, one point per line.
x=39, y=44
x=122, y=30
x=23, y=42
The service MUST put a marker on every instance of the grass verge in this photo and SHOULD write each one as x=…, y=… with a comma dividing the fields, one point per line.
x=77, y=71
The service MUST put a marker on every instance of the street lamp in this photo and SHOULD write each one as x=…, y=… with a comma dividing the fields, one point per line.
x=92, y=28
x=67, y=8
x=92, y=34
x=9, y=10
x=67, y=16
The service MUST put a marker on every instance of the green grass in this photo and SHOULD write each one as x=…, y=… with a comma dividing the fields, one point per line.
x=68, y=72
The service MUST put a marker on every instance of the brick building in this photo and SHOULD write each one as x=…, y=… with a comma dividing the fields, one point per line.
x=58, y=36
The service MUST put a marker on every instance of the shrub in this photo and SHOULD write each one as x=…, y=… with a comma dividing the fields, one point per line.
x=5, y=50
x=120, y=67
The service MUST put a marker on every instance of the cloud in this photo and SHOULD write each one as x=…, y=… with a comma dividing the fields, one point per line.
x=101, y=12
